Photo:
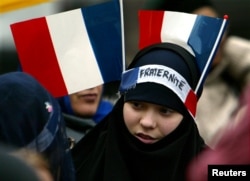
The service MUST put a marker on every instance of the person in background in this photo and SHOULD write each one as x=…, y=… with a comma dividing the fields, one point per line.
x=35, y=160
x=13, y=168
x=31, y=118
x=232, y=145
x=229, y=75
x=83, y=110
x=87, y=104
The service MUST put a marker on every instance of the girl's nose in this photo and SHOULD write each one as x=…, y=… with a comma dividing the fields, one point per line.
x=148, y=120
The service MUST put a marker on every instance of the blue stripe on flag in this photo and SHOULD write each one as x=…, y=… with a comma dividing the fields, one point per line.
x=103, y=23
x=129, y=79
x=203, y=37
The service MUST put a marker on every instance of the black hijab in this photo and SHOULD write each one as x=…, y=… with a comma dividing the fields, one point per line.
x=109, y=152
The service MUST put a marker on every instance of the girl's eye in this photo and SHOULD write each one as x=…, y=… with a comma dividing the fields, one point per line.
x=167, y=111
x=136, y=105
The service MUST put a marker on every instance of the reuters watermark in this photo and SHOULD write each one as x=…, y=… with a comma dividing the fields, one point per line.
x=229, y=172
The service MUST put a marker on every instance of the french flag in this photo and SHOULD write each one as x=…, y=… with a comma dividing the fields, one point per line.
x=73, y=50
x=200, y=35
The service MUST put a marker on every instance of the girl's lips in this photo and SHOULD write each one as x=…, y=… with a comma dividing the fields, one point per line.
x=145, y=138
x=88, y=97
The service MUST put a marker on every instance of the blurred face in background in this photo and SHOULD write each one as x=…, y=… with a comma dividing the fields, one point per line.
x=86, y=102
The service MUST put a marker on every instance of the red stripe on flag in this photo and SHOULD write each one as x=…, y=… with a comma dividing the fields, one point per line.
x=37, y=60
x=191, y=102
x=150, y=29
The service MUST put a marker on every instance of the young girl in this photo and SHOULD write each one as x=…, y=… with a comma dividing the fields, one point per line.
x=151, y=133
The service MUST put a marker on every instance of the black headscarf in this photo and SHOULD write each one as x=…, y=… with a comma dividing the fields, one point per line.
x=110, y=153
x=31, y=118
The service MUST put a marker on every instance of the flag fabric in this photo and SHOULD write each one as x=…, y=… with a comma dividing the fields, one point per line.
x=10, y=5
x=199, y=35
x=73, y=50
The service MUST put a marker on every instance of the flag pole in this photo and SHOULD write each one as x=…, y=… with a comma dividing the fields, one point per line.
x=122, y=32
x=212, y=52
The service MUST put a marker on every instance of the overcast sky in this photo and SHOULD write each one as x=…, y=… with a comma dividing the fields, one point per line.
x=6, y=40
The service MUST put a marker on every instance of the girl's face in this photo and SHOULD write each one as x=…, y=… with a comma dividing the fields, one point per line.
x=86, y=102
x=150, y=122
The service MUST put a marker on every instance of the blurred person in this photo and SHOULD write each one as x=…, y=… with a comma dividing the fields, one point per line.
x=231, y=144
x=83, y=110
x=13, y=168
x=229, y=75
x=31, y=118
x=37, y=161
x=88, y=103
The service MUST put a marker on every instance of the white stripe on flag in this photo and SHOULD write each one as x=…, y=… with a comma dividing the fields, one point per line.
x=69, y=36
x=165, y=76
x=162, y=75
x=172, y=28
